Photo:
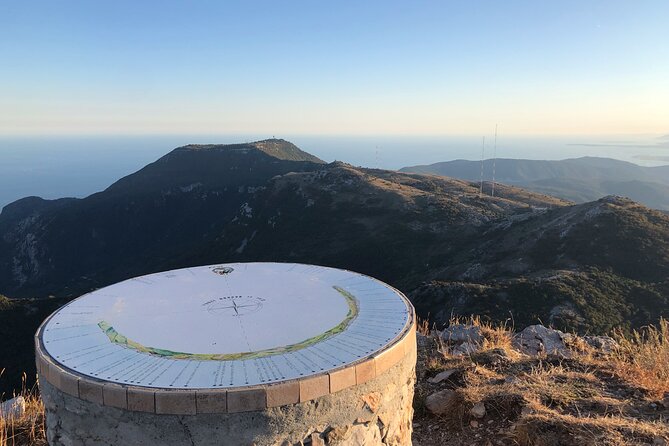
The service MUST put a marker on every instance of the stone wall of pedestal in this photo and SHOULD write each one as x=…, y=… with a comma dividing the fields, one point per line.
x=367, y=403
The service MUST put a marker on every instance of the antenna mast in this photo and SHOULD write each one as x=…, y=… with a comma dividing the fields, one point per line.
x=482, y=158
x=494, y=161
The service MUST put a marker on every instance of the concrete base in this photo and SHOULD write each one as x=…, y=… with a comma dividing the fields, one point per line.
x=378, y=412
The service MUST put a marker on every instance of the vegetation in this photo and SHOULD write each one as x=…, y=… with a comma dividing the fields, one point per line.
x=29, y=428
x=643, y=358
x=585, y=397
x=592, y=301
x=19, y=319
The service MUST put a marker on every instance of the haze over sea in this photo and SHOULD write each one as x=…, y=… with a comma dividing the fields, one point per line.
x=76, y=166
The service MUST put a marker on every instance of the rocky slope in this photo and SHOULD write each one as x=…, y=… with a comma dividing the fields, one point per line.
x=593, y=266
x=390, y=225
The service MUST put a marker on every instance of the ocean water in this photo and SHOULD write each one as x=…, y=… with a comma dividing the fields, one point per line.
x=76, y=166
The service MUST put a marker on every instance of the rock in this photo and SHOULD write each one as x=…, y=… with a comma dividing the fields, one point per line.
x=604, y=344
x=492, y=358
x=338, y=435
x=478, y=411
x=14, y=408
x=526, y=411
x=442, y=376
x=442, y=402
x=372, y=401
x=316, y=440
x=459, y=333
x=423, y=341
x=474, y=423
x=659, y=441
x=537, y=340
x=464, y=349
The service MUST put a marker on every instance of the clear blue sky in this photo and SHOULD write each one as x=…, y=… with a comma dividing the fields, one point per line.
x=314, y=67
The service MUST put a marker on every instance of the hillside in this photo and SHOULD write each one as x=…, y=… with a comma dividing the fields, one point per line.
x=579, y=180
x=390, y=225
x=593, y=266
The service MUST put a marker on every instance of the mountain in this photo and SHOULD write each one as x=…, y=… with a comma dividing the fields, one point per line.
x=382, y=223
x=579, y=180
x=520, y=255
x=593, y=266
x=140, y=222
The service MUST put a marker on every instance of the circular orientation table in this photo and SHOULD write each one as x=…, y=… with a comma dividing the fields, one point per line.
x=227, y=338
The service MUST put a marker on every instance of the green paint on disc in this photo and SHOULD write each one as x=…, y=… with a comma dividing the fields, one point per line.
x=117, y=338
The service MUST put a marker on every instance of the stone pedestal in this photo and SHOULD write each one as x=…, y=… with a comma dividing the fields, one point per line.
x=369, y=404
x=231, y=354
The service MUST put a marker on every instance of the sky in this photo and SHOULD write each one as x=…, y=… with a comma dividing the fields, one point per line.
x=569, y=67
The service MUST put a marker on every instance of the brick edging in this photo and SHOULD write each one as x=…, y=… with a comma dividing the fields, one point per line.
x=241, y=399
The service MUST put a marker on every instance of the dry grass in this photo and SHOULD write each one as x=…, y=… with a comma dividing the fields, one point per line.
x=552, y=428
x=590, y=398
x=28, y=429
x=496, y=335
x=423, y=327
x=643, y=358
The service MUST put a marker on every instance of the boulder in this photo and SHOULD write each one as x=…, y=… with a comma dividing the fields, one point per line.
x=464, y=349
x=459, y=333
x=442, y=376
x=14, y=408
x=478, y=411
x=442, y=402
x=537, y=340
x=604, y=344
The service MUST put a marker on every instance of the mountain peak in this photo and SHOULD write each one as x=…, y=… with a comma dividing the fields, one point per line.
x=276, y=148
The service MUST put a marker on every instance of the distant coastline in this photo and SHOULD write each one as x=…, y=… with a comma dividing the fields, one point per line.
x=76, y=166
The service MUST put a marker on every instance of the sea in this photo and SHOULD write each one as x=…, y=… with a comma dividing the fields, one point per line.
x=76, y=166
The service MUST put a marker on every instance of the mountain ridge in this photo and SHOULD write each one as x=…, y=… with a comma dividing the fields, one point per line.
x=575, y=179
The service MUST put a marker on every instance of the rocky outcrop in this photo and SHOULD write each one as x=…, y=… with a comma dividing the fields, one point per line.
x=461, y=333
x=537, y=340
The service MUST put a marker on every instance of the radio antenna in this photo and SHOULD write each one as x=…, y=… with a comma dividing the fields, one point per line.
x=494, y=161
x=482, y=158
